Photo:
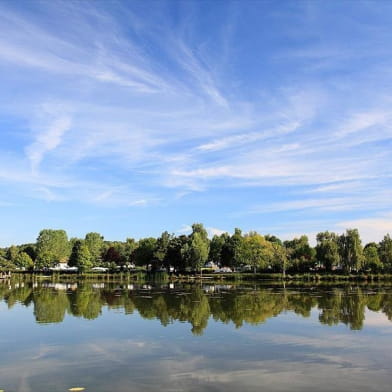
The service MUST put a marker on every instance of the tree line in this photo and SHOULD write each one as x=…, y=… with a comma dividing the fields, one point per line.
x=252, y=251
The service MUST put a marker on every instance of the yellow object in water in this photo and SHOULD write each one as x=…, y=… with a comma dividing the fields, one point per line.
x=75, y=389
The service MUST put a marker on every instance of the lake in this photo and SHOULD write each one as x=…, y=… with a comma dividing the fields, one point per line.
x=126, y=337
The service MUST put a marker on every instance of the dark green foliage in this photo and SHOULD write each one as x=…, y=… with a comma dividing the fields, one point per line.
x=81, y=256
x=385, y=252
x=144, y=253
x=301, y=254
x=273, y=239
x=230, y=249
x=175, y=253
x=371, y=258
x=12, y=253
x=216, y=246
x=128, y=249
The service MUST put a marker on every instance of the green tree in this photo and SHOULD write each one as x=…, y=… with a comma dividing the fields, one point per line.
x=81, y=257
x=30, y=249
x=351, y=251
x=144, y=253
x=44, y=260
x=129, y=247
x=255, y=251
x=216, y=246
x=371, y=259
x=385, y=252
x=52, y=248
x=327, y=250
x=3, y=254
x=24, y=261
x=199, y=228
x=230, y=249
x=12, y=253
x=175, y=253
x=274, y=239
x=280, y=257
x=198, y=251
x=301, y=254
x=95, y=244
x=161, y=248
x=112, y=256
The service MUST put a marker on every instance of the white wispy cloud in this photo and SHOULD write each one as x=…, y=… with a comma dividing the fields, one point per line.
x=363, y=121
x=377, y=201
x=47, y=140
x=236, y=140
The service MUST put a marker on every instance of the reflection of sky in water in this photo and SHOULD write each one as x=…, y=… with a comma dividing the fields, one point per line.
x=122, y=353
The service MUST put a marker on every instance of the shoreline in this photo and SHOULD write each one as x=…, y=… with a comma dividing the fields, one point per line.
x=208, y=277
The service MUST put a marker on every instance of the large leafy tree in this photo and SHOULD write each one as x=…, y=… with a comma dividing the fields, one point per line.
x=144, y=253
x=52, y=248
x=351, y=251
x=81, y=256
x=23, y=260
x=30, y=249
x=129, y=247
x=230, y=249
x=198, y=251
x=327, y=249
x=301, y=254
x=385, y=252
x=176, y=250
x=216, y=246
x=12, y=253
x=112, y=255
x=95, y=244
x=161, y=248
x=279, y=258
x=195, y=252
x=255, y=251
x=371, y=258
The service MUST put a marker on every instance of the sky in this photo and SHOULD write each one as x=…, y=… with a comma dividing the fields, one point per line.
x=131, y=118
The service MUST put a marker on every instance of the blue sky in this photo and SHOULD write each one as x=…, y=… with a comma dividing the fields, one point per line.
x=130, y=118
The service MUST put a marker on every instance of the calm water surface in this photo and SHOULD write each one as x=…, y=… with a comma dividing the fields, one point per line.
x=128, y=337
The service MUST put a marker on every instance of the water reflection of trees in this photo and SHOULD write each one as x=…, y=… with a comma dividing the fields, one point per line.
x=195, y=304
